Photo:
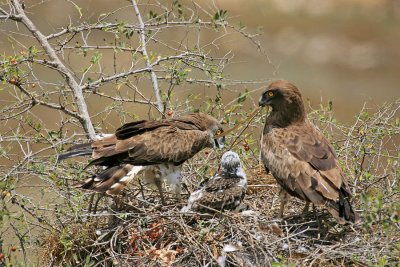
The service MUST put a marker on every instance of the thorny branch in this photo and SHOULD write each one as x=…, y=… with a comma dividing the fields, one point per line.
x=60, y=67
x=143, y=44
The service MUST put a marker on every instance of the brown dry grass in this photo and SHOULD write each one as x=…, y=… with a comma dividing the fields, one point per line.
x=140, y=232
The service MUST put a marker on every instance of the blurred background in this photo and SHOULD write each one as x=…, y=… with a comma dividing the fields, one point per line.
x=347, y=52
x=344, y=51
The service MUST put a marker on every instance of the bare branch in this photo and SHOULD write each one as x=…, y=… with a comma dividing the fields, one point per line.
x=153, y=75
x=36, y=101
x=61, y=68
x=149, y=68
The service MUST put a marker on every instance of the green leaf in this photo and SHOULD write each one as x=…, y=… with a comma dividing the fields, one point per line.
x=243, y=97
x=220, y=15
x=96, y=58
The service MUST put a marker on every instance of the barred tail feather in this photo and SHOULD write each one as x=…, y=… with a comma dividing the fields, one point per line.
x=342, y=210
x=76, y=151
x=111, y=180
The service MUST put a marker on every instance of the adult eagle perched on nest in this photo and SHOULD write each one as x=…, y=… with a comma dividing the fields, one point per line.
x=298, y=155
x=156, y=147
x=223, y=191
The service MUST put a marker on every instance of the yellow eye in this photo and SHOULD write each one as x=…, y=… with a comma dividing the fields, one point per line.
x=218, y=132
x=270, y=93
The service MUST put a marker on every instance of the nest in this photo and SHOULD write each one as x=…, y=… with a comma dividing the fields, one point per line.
x=136, y=230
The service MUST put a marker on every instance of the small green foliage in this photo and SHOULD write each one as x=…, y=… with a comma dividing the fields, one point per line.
x=153, y=15
x=242, y=96
x=283, y=263
x=3, y=151
x=83, y=51
x=32, y=51
x=96, y=57
x=221, y=16
x=177, y=6
x=128, y=32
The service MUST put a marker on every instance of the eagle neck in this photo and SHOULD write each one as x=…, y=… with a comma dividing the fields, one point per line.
x=234, y=173
x=285, y=114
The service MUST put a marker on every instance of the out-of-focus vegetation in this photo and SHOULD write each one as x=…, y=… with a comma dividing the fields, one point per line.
x=190, y=49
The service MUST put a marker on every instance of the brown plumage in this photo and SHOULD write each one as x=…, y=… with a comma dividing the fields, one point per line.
x=155, y=147
x=298, y=155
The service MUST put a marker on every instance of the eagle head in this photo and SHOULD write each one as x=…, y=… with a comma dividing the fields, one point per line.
x=214, y=127
x=205, y=122
x=230, y=163
x=285, y=100
x=280, y=93
x=218, y=141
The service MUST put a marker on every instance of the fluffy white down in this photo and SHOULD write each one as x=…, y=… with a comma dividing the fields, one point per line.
x=196, y=195
x=129, y=176
x=134, y=171
x=243, y=181
x=171, y=175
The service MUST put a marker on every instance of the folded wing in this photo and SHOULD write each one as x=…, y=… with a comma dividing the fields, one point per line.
x=217, y=193
x=306, y=166
x=147, y=143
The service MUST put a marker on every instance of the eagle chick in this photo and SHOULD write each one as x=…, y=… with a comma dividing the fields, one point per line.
x=223, y=191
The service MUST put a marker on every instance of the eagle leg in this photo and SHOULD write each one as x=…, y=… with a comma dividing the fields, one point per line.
x=284, y=197
x=317, y=217
x=178, y=192
x=91, y=203
x=266, y=169
x=306, y=207
x=97, y=203
x=158, y=182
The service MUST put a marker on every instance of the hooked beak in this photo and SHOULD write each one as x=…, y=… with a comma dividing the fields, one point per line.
x=262, y=102
x=219, y=142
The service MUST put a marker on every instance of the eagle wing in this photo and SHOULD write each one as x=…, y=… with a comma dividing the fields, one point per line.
x=220, y=183
x=304, y=163
x=148, y=142
x=138, y=127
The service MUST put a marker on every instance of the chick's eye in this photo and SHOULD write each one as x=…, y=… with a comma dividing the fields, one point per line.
x=218, y=132
x=270, y=93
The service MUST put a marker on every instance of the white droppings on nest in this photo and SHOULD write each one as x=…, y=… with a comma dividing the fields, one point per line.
x=221, y=260
x=249, y=213
x=302, y=249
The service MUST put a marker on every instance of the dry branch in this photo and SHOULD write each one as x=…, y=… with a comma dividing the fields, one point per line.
x=143, y=44
x=84, y=117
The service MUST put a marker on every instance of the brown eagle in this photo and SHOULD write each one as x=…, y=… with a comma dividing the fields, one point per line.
x=299, y=157
x=224, y=191
x=157, y=148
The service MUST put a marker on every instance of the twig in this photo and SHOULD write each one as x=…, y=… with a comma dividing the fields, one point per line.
x=143, y=44
x=60, y=67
